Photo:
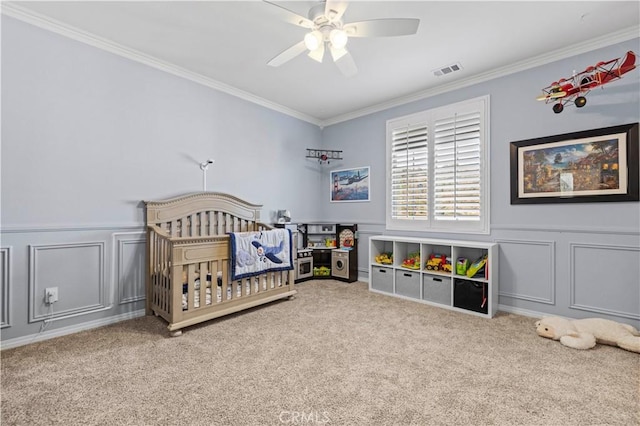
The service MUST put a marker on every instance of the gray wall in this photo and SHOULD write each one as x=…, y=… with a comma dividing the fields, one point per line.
x=87, y=135
x=576, y=260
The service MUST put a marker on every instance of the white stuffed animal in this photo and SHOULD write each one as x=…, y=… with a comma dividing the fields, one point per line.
x=585, y=333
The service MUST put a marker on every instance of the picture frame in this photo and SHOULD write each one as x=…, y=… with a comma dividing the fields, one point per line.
x=349, y=185
x=599, y=165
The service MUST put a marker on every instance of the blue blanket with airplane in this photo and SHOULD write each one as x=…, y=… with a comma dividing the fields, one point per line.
x=253, y=253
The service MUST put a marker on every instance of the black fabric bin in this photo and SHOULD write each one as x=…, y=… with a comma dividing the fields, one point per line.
x=470, y=295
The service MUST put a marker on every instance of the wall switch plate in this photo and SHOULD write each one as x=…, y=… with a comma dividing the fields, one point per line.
x=50, y=295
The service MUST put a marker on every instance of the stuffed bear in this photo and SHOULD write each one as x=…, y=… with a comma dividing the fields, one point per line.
x=585, y=333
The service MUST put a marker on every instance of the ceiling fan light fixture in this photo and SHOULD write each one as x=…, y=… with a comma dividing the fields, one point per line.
x=338, y=38
x=313, y=40
x=318, y=54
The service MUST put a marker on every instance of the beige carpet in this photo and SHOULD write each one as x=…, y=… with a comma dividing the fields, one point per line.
x=336, y=354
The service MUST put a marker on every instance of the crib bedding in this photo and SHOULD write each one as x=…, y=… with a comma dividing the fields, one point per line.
x=254, y=253
x=196, y=293
x=230, y=293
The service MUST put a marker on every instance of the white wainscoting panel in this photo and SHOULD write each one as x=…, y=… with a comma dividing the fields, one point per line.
x=77, y=269
x=5, y=286
x=600, y=279
x=527, y=270
x=129, y=264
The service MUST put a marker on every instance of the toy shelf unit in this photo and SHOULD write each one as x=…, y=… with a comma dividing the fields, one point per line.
x=457, y=275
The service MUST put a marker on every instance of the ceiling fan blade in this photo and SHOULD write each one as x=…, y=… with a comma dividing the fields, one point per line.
x=318, y=54
x=382, y=27
x=288, y=54
x=334, y=9
x=290, y=16
x=337, y=53
x=344, y=61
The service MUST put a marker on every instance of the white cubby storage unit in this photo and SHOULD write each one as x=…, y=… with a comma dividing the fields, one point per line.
x=476, y=295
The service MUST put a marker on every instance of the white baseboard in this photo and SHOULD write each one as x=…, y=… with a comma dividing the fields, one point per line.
x=46, y=335
x=523, y=312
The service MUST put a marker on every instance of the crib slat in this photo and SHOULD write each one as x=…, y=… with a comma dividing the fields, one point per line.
x=212, y=221
x=219, y=223
x=228, y=223
x=163, y=275
x=195, y=224
x=203, y=223
x=214, y=282
x=225, y=290
x=191, y=288
x=243, y=286
x=204, y=271
x=157, y=278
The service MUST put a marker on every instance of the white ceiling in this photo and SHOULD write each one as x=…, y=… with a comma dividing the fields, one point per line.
x=227, y=44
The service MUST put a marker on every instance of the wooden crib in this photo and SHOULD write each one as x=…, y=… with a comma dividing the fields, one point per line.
x=188, y=257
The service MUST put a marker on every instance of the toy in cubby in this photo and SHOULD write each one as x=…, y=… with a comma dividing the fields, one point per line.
x=477, y=267
x=412, y=261
x=462, y=264
x=438, y=262
x=385, y=258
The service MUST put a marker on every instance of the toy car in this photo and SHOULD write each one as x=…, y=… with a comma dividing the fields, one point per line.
x=438, y=262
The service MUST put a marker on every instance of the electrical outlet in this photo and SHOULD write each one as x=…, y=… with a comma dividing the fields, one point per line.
x=50, y=295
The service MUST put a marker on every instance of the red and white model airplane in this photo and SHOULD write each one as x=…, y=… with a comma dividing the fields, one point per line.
x=577, y=86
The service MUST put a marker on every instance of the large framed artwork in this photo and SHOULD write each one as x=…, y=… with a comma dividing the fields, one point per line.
x=591, y=166
x=350, y=185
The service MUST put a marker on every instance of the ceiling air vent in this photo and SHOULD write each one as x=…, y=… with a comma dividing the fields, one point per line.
x=447, y=70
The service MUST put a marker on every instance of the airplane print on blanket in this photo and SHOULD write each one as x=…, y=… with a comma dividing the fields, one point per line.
x=253, y=253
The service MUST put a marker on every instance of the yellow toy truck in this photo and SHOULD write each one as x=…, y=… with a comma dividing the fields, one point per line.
x=438, y=262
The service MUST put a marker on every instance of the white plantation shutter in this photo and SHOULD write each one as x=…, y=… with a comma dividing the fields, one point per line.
x=457, y=174
x=438, y=169
x=409, y=177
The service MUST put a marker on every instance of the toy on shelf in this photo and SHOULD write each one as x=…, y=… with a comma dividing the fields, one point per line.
x=438, y=262
x=412, y=261
x=477, y=267
x=462, y=265
x=384, y=258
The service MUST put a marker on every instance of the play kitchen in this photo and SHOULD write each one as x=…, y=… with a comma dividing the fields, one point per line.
x=333, y=251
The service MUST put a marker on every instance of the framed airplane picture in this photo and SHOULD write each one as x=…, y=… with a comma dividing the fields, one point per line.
x=350, y=185
x=596, y=165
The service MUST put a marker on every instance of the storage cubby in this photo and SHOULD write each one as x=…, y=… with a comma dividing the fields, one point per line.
x=471, y=295
x=381, y=279
x=436, y=264
x=472, y=254
x=432, y=283
x=407, y=283
x=379, y=248
x=402, y=250
x=436, y=289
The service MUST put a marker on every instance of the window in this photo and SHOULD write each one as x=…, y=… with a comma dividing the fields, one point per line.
x=438, y=168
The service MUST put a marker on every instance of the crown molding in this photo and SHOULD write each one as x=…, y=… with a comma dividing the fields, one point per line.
x=556, y=55
x=15, y=11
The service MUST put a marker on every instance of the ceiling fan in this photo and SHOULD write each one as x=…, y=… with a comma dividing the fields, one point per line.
x=328, y=31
